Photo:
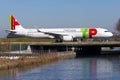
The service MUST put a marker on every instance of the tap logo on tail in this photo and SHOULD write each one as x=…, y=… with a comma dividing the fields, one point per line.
x=13, y=22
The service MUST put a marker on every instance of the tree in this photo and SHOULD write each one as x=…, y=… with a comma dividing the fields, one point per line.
x=118, y=25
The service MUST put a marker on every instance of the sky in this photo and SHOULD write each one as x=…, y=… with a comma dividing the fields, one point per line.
x=60, y=13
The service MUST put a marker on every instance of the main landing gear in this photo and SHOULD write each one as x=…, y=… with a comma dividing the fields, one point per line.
x=59, y=40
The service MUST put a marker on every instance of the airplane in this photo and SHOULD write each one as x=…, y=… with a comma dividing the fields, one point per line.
x=60, y=34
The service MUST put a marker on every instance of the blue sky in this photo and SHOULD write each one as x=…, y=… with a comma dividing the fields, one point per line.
x=60, y=13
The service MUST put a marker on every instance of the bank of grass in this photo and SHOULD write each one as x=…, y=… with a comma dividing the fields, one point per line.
x=27, y=61
x=30, y=61
x=26, y=40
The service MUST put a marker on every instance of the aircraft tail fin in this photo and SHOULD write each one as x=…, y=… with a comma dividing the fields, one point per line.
x=14, y=24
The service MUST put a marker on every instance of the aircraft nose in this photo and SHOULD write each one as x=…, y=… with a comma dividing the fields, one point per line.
x=110, y=34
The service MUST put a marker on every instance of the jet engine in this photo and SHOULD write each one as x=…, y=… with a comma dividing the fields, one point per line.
x=67, y=38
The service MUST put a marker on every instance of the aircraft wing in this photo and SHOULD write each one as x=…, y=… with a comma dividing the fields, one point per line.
x=56, y=35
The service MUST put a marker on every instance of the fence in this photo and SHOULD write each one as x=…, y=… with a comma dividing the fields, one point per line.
x=9, y=48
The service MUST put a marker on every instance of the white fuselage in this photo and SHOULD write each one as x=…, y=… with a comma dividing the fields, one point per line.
x=74, y=32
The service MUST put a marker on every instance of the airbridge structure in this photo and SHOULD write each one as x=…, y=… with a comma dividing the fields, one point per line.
x=81, y=48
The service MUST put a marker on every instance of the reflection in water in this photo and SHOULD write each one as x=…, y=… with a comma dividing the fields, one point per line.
x=89, y=69
x=101, y=68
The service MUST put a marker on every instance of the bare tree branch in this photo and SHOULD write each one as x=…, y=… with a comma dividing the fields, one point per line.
x=118, y=25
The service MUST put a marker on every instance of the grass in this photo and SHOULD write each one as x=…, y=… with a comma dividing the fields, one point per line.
x=26, y=40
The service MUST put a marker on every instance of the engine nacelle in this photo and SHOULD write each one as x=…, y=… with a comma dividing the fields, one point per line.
x=67, y=38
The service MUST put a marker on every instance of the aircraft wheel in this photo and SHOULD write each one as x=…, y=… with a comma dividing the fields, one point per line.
x=75, y=39
x=59, y=40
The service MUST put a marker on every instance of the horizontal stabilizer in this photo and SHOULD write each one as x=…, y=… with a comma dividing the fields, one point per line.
x=12, y=31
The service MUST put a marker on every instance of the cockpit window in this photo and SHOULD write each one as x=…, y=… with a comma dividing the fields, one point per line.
x=106, y=31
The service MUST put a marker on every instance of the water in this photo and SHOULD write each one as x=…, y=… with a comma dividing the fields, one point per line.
x=92, y=68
